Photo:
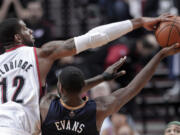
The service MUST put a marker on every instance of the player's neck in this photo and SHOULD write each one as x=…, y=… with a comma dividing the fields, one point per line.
x=72, y=101
x=11, y=46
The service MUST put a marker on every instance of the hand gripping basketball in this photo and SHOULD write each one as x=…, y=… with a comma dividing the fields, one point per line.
x=168, y=33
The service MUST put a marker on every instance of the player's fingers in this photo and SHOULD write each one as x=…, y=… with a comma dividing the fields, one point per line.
x=176, y=46
x=165, y=19
x=173, y=47
x=166, y=15
x=121, y=62
x=121, y=73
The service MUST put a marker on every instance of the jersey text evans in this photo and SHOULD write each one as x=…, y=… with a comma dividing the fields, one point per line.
x=70, y=125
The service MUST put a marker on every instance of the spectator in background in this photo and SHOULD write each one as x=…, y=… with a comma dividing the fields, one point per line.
x=117, y=121
x=142, y=51
x=125, y=130
x=155, y=8
x=139, y=51
x=116, y=10
x=174, y=66
x=135, y=8
x=4, y=9
x=172, y=128
x=57, y=68
x=103, y=89
x=33, y=15
x=112, y=126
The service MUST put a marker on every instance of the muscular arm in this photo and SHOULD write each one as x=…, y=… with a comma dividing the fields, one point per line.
x=58, y=49
x=96, y=37
x=110, y=104
x=109, y=74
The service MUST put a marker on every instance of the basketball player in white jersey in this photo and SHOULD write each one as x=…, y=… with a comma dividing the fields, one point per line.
x=23, y=69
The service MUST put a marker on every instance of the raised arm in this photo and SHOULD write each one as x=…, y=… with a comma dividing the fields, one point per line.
x=94, y=38
x=20, y=10
x=111, y=104
x=4, y=9
x=109, y=74
x=97, y=37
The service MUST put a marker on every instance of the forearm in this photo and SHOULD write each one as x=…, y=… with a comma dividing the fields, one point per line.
x=21, y=12
x=112, y=103
x=94, y=38
x=107, y=75
x=145, y=75
x=3, y=11
x=137, y=23
x=136, y=85
x=104, y=34
x=92, y=82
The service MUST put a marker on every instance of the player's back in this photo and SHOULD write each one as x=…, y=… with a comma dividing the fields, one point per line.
x=19, y=95
x=61, y=120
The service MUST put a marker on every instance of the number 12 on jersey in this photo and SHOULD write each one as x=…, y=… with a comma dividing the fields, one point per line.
x=18, y=82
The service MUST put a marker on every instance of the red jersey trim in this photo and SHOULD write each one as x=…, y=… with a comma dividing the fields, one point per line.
x=37, y=66
x=13, y=48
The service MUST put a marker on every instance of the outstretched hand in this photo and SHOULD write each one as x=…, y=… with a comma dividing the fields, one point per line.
x=112, y=71
x=171, y=50
x=152, y=23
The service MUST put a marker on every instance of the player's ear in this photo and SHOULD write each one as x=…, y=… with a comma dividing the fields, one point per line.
x=17, y=38
x=59, y=87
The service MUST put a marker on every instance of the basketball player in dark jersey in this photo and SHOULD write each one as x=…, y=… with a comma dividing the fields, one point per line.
x=72, y=115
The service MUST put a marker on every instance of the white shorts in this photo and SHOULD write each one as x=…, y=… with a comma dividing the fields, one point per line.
x=10, y=131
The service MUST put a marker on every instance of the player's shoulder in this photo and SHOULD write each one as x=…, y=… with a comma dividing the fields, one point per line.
x=48, y=99
x=89, y=104
x=91, y=101
x=24, y=47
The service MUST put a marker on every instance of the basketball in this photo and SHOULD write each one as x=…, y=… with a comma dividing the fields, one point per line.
x=168, y=33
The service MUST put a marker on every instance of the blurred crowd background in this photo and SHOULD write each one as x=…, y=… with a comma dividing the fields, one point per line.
x=158, y=103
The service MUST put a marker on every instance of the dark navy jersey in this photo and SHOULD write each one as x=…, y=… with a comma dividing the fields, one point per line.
x=63, y=121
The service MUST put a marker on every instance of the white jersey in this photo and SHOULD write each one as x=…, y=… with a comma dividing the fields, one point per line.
x=20, y=89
